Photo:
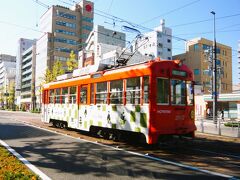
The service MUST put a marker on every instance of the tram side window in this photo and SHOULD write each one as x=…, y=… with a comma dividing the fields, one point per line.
x=92, y=94
x=101, y=93
x=162, y=91
x=178, y=92
x=51, y=96
x=133, y=91
x=83, y=95
x=65, y=95
x=146, y=89
x=116, y=92
x=72, y=95
x=57, y=95
x=190, y=93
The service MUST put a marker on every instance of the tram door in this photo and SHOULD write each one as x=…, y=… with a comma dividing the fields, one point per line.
x=83, y=116
x=45, y=106
x=83, y=94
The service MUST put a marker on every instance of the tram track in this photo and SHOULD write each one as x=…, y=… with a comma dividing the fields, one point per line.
x=200, y=152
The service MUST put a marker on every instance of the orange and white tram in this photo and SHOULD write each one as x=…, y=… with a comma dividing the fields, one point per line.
x=154, y=98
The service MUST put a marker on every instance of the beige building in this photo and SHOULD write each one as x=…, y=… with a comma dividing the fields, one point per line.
x=198, y=57
x=65, y=30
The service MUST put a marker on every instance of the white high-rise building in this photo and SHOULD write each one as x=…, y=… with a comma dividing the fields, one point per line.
x=28, y=97
x=23, y=45
x=157, y=43
x=100, y=41
x=7, y=75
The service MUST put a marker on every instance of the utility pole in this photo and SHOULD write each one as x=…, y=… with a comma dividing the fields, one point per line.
x=215, y=93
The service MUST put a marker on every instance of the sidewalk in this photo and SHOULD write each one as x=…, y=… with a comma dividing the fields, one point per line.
x=208, y=126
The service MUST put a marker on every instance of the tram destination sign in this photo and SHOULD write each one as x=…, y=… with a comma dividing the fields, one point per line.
x=179, y=73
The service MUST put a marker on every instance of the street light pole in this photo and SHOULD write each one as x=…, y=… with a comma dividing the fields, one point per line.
x=215, y=93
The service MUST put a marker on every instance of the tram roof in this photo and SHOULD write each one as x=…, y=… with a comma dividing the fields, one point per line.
x=113, y=71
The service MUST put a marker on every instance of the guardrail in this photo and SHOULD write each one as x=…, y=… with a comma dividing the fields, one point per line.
x=222, y=127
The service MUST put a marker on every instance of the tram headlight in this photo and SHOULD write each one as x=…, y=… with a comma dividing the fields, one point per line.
x=192, y=114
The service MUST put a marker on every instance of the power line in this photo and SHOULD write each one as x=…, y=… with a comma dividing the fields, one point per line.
x=65, y=2
x=208, y=32
x=171, y=11
x=20, y=26
x=41, y=4
x=205, y=20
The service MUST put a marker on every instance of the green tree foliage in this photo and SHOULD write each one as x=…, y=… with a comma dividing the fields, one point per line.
x=57, y=70
x=11, y=97
x=1, y=97
x=72, y=62
x=48, y=76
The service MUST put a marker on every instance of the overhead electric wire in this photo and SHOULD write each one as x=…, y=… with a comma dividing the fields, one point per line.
x=65, y=2
x=115, y=18
x=171, y=11
x=205, y=20
x=20, y=26
x=207, y=32
x=41, y=4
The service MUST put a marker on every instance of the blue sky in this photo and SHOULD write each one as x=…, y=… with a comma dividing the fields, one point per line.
x=20, y=19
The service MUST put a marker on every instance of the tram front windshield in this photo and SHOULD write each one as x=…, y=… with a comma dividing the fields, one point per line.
x=181, y=92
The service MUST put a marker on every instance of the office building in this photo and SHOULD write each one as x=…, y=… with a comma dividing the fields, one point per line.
x=23, y=45
x=28, y=98
x=158, y=42
x=198, y=57
x=7, y=76
x=65, y=30
x=99, y=42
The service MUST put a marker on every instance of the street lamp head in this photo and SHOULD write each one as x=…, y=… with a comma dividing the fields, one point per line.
x=212, y=12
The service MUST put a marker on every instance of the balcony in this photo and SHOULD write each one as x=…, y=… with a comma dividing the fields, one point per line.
x=27, y=71
x=27, y=78
x=26, y=65
x=26, y=85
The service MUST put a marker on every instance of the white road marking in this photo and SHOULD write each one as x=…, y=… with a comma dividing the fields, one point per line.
x=26, y=162
x=143, y=155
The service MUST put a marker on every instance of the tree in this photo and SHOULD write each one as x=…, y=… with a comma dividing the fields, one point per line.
x=48, y=76
x=1, y=98
x=11, y=97
x=72, y=62
x=57, y=70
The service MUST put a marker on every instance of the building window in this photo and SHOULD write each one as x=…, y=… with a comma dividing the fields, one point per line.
x=89, y=28
x=87, y=19
x=169, y=50
x=68, y=41
x=159, y=34
x=206, y=47
x=66, y=24
x=169, y=40
x=195, y=47
x=66, y=32
x=169, y=58
x=66, y=15
x=160, y=45
x=196, y=71
x=66, y=50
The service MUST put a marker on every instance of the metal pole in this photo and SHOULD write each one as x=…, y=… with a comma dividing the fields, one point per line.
x=215, y=93
x=214, y=72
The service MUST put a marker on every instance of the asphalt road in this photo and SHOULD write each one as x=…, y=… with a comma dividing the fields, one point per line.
x=63, y=157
